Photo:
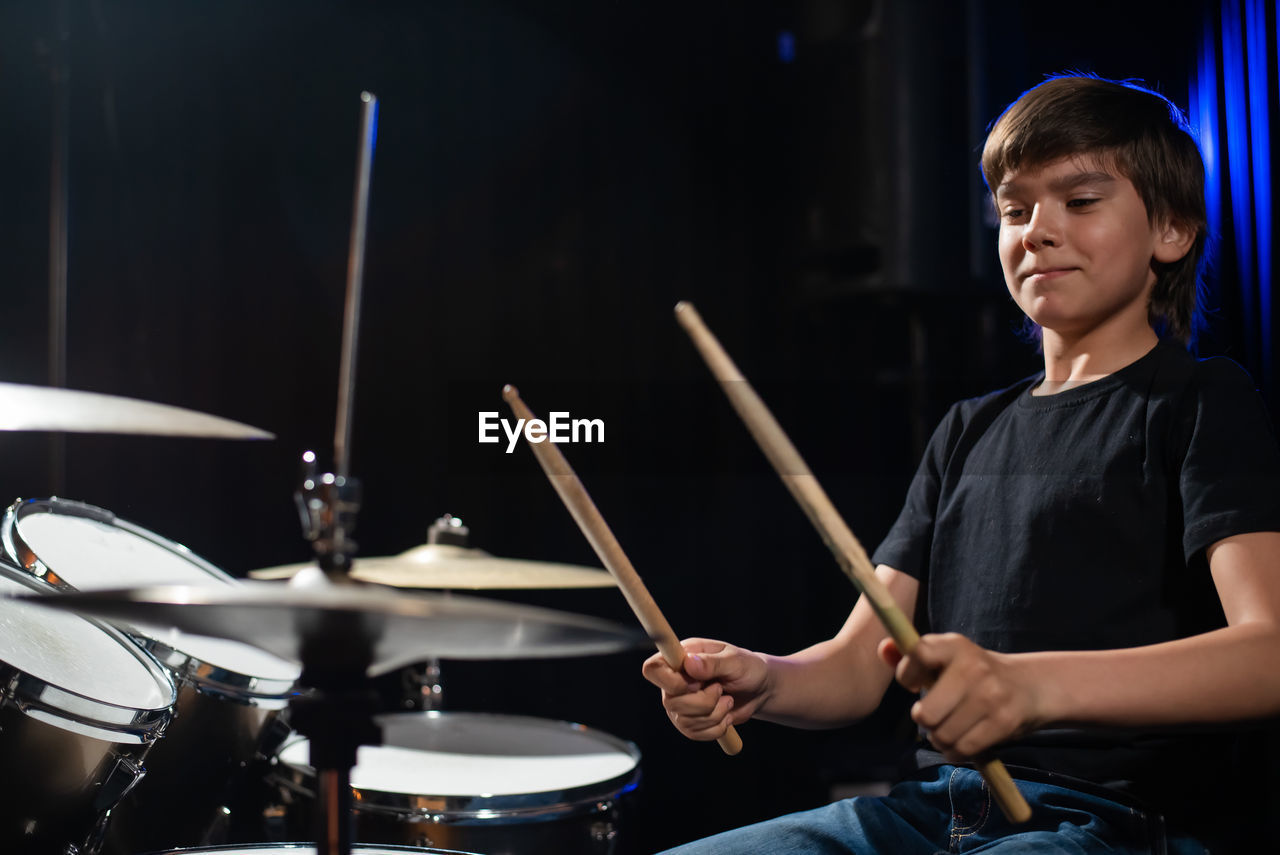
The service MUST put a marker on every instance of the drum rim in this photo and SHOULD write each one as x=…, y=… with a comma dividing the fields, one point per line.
x=593, y=797
x=29, y=692
x=207, y=677
x=15, y=545
x=210, y=678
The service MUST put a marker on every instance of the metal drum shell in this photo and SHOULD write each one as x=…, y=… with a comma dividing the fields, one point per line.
x=52, y=784
x=66, y=758
x=206, y=779
x=586, y=819
x=226, y=727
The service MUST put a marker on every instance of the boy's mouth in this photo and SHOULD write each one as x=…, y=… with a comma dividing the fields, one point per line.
x=1044, y=274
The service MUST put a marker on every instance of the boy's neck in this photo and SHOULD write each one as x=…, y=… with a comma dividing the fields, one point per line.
x=1074, y=361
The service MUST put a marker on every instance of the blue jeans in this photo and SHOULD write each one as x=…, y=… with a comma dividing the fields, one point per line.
x=952, y=812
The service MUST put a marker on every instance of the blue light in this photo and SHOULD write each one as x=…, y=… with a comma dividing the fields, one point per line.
x=373, y=120
x=787, y=46
x=1236, y=98
x=1204, y=118
x=1260, y=136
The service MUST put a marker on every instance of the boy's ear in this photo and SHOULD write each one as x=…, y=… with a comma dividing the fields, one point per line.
x=1173, y=242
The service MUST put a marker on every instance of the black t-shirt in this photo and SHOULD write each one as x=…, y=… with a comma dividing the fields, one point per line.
x=1080, y=521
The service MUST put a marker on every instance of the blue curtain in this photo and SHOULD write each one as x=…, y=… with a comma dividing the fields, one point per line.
x=1234, y=102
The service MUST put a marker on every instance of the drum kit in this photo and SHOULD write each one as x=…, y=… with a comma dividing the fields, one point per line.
x=157, y=704
x=152, y=703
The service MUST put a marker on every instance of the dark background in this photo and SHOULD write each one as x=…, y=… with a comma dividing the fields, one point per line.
x=550, y=178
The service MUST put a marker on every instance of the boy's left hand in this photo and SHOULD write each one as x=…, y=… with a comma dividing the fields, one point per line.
x=976, y=698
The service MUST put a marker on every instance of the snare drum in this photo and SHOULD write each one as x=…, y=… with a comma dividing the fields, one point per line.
x=493, y=783
x=80, y=707
x=205, y=780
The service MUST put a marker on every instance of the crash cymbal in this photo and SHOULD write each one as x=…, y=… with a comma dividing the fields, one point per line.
x=402, y=628
x=444, y=566
x=47, y=408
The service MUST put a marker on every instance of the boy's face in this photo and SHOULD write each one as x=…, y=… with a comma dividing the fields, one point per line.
x=1076, y=245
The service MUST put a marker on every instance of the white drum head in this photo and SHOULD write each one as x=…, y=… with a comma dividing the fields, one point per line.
x=459, y=754
x=75, y=654
x=93, y=555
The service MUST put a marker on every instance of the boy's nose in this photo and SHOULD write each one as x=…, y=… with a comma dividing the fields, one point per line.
x=1041, y=230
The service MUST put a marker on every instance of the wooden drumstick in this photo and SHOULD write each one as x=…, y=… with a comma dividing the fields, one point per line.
x=849, y=553
x=600, y=536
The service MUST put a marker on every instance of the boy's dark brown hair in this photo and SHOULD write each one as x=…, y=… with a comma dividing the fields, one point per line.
x=1139, y=133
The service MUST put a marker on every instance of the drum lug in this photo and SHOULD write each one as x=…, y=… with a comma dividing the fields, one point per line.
x=603, y=832
x=274, y=733
x=122, y=778
x=421, y=686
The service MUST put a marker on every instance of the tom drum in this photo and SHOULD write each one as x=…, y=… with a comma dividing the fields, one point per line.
x=496, y=784
x=205, y=782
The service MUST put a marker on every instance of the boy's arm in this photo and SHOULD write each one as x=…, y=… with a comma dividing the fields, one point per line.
x=983, y=698
x=829, y=684
x=841, y=680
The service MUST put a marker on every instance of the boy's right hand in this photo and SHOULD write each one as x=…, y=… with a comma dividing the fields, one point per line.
x=719, y=685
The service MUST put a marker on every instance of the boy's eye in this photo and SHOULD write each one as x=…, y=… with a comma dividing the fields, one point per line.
x=1082, y=202
x=1013, y=213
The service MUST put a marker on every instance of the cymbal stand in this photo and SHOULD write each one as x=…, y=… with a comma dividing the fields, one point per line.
x=337, y=716
x=327, y=507
x=59, y=219
x=421, y=684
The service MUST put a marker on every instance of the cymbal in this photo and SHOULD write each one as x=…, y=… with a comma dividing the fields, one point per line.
x=403, y=628
x=445, y=566
x=48, y=408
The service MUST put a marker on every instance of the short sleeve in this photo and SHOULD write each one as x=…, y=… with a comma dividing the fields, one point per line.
x=906, y=547
x=1230, y=475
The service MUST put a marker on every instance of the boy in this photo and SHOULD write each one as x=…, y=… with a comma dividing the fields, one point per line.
x=1094, y=552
